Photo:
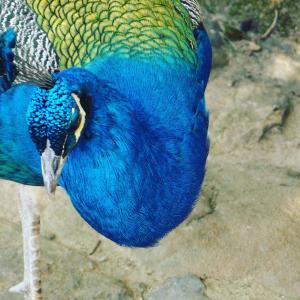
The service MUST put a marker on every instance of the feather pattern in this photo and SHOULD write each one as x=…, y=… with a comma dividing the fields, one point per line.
x=34, y=55
x=83, y=30
x=194, y=10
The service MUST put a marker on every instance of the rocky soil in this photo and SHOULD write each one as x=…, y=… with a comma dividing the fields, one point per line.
x=242, y=241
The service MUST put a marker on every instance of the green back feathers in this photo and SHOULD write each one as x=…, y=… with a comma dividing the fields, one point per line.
x=81, y=30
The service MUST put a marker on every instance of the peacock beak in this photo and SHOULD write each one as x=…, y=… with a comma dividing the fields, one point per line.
x=50, y=168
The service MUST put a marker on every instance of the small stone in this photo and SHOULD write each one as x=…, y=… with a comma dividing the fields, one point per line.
x=102, y=259
x=254, y=47
x=149, y=273
x=232, y=83
x=49, y=236
x=189, y=287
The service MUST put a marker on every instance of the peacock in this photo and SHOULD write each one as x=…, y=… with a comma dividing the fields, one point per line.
x=106, y=99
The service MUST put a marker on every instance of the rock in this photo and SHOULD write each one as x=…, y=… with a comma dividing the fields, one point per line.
x=49, y=236
x=102, y=259
x=189, y=287
x=254, y=47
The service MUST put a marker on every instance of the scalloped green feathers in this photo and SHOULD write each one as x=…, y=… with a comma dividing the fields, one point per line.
x=81, y=30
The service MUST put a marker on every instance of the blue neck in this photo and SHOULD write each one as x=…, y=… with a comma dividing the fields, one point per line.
x=136, y=171
x=159, y=88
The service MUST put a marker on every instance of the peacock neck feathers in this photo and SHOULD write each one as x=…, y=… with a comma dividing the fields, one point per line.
x=139, y=154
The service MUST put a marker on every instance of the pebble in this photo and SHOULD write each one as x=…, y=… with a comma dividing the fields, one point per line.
x=254, y=47
x=49, y=236
x=102, y=259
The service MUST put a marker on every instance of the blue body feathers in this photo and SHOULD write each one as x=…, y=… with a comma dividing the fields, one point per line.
x=136, y=171
x=18, y=158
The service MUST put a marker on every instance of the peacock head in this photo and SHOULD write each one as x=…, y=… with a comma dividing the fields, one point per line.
x=55, y=119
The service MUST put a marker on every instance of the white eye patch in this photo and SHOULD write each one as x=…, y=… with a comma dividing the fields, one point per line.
x=82, y=115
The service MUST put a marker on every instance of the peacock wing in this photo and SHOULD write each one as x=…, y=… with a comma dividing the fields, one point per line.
x=35, y=56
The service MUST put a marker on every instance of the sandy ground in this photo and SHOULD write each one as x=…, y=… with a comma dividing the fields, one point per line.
x=242, y=240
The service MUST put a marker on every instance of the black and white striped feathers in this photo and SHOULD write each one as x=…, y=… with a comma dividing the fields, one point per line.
x=194, y=10
x=35, y=57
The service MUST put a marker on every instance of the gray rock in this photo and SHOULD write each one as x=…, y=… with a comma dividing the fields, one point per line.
x=189, y=287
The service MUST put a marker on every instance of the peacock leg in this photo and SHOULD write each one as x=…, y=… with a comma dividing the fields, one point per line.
x=24, y=286
x=30, y=210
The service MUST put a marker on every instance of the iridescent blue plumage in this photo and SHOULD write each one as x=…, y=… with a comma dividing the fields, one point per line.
x=144, y=147
x=136, y=170
x=18, y=155
x=18, y=158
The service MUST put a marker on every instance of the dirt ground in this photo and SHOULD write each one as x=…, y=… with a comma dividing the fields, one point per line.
x=242, y=241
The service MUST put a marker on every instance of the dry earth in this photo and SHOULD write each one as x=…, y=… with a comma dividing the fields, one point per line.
x=242, y=240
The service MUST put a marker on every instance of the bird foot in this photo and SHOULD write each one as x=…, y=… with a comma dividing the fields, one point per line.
x=19, y=288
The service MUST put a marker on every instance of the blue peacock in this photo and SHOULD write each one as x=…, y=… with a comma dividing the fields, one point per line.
x=106, y=99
